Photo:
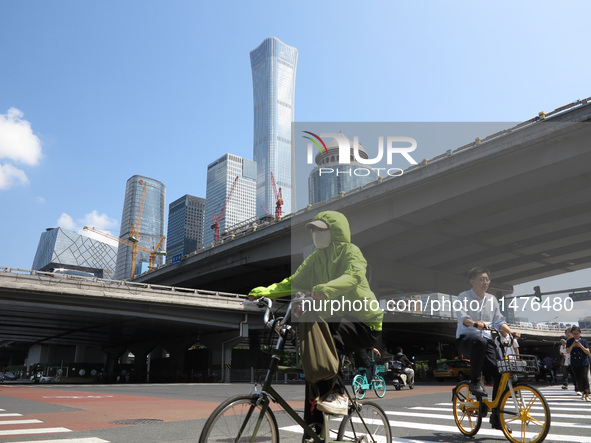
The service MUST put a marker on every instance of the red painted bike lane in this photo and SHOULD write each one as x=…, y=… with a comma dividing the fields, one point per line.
x=97, y=410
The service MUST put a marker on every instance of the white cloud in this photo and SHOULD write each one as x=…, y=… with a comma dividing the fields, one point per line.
x=11, y=176
x=93, y=219
x=100, y=221
x=67, y=222
x=17, y=141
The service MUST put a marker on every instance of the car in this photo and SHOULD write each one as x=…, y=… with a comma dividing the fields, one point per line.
x=2, y=377
x=10, y=376
x=456, y=369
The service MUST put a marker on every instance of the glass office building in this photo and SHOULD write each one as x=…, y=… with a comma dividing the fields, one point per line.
x=241, y=206
x=186, y=217
x=60, y=248
x=273, y=66
x=151, y=226
x=329, y=178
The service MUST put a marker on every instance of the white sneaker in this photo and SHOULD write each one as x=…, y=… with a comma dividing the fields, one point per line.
x=334, y=404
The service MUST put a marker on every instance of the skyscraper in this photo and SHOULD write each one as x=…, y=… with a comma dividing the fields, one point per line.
x=151, y=224
x=227, y=172
x=186, y=217
x=329, y=177
x=273, y=66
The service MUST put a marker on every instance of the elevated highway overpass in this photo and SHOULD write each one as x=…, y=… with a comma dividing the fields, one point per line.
x=48, y=317
x=81, y=320
x=517, y=202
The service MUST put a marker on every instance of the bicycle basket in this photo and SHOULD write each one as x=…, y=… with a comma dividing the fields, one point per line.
x=519, y=364
x=380, y=369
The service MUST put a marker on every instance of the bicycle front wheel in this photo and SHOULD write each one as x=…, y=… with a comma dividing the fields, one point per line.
x=240, y=419
x=366, y=422
x=358, y=383
x=466, y=409
x=379, y=386
x=524, y=417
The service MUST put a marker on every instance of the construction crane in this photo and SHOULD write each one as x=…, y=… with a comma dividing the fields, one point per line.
x=153, y=253
x=266, y=212
x=218, y=218
x=278, y=199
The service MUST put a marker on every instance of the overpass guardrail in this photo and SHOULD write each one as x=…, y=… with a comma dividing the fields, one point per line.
x=108, y=285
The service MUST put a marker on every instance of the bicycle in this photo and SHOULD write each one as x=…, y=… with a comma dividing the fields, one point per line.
x=518, y=403
x=250, y=418
x=361, y=385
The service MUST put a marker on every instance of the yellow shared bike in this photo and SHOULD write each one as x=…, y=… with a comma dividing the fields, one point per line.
x=524, y=414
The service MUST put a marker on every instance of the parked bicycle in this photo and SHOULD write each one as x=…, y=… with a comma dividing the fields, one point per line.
x=249, y=418
x=523, y=411
x=361, y=384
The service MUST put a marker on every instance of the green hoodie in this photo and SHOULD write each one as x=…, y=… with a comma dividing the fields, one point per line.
x=338, y=272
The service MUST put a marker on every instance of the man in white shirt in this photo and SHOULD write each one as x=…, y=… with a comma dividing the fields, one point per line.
x=480, y=311
x=512, y=349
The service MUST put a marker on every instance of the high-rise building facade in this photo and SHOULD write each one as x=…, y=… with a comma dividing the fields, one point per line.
x=235, y=175
x=273, y=66
x=151, y=224
x=329, y=178
x=60, y=248
x=186, y=217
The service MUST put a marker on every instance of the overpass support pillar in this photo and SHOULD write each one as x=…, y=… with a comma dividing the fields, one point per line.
x=112, y=355
x=221, y=346
x=178, y=350
x=141, y=368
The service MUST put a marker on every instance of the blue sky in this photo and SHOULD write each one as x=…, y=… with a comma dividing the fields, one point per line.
x=92, y=92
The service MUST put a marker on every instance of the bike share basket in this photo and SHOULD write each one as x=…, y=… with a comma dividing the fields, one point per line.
x=520, y=364
x=380, y=369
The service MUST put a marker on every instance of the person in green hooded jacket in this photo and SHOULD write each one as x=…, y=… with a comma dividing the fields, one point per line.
x=335, y=276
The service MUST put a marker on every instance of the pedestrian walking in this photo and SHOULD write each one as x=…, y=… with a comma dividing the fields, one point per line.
x=578, y=348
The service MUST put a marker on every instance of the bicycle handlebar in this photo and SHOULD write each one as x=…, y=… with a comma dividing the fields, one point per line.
x=267, y=303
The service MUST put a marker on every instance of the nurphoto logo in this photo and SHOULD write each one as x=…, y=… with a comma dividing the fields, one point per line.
x=395, y=145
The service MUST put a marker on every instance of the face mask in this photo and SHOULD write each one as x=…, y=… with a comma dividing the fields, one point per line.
x=321, y=239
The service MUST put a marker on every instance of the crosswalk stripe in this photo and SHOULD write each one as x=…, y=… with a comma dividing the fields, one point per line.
x=38, y=431
x=34, y=431
x=296, y=429
x=69, y=440
x=554, y=415
x=572, y=413
x=449, y=416
x=489, y=432
x=572, y=398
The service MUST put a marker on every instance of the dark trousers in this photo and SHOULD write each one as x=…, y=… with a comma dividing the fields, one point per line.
x=482, y=353
x=565, y=374
x=572, y=374
x=582, y=384
x=349, y=336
